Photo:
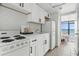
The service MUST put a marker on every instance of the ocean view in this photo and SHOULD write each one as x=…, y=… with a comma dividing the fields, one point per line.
x=66, y=30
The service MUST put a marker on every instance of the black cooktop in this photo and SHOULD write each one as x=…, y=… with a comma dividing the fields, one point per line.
x=20, y=37
x=7, y=40
x=16, y=37
x=4, y=37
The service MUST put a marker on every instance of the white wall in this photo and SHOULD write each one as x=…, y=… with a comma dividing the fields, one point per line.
x=69, y=17
x=12, y=20
x=68, y=7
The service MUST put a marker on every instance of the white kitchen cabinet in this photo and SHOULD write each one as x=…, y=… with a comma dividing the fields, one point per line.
x=38, y=14
x=35, y=16
x=46, y=43
x=39, y=46
x=42, y=44
x=42, y=14
x=16, y=7
x=33, y=50
x=28, y=6
x=17, y=4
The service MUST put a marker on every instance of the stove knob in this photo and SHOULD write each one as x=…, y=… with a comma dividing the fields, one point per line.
x=11, y=47
x=17, y=45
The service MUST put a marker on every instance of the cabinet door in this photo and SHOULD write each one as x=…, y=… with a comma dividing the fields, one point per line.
x=17, y=4
x=28, y=6
x=33, y=50
x=35, y=13
x=42, y=14
x=45, y=43
x=40, y=46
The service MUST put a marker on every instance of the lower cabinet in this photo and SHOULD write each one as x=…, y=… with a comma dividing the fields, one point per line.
x=33, y=50
x=46, y=44
x=39, y=45
x=42, y=44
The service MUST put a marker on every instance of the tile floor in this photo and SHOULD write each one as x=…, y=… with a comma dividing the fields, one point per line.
x=65, y=49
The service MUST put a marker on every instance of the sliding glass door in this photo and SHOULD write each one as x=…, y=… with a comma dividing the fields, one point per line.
x=67, y=27
x=72, y=28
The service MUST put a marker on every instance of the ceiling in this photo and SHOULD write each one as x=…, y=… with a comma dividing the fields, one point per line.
x=53, y=7
x=49, y=7
x=46, y=7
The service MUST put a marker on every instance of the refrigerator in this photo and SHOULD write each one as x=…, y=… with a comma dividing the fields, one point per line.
x=49, y=27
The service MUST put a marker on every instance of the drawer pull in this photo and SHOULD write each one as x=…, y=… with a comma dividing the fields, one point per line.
x=34, y=40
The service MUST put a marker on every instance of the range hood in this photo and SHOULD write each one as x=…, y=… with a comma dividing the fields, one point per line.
x=15, y=8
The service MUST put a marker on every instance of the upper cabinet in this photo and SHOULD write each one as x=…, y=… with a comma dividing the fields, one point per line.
x=35, y=13
x=28, y=6
x=38, y=14
x=42, y=14
x=19, y=7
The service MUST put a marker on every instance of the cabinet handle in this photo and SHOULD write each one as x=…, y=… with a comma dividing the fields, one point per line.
x=31, y=50
x=39, y=20
x=34, y=40
x=45, y=41
x=20, y=4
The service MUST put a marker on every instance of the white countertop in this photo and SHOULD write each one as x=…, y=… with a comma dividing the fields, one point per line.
x=11, y=34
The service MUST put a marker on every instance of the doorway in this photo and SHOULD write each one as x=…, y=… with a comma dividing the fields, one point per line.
x=67, y=30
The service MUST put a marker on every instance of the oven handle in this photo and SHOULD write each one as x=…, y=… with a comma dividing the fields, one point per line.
x=30, y=49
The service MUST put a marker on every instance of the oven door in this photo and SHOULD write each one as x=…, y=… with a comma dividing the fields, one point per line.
x=24, y=51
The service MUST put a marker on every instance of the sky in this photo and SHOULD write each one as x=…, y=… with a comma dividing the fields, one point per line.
x=64, y=25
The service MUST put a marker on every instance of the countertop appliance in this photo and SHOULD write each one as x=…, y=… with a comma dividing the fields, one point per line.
x=26, y=29
x=16, y=45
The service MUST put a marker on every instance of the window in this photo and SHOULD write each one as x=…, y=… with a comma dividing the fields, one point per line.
x=67, y=27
